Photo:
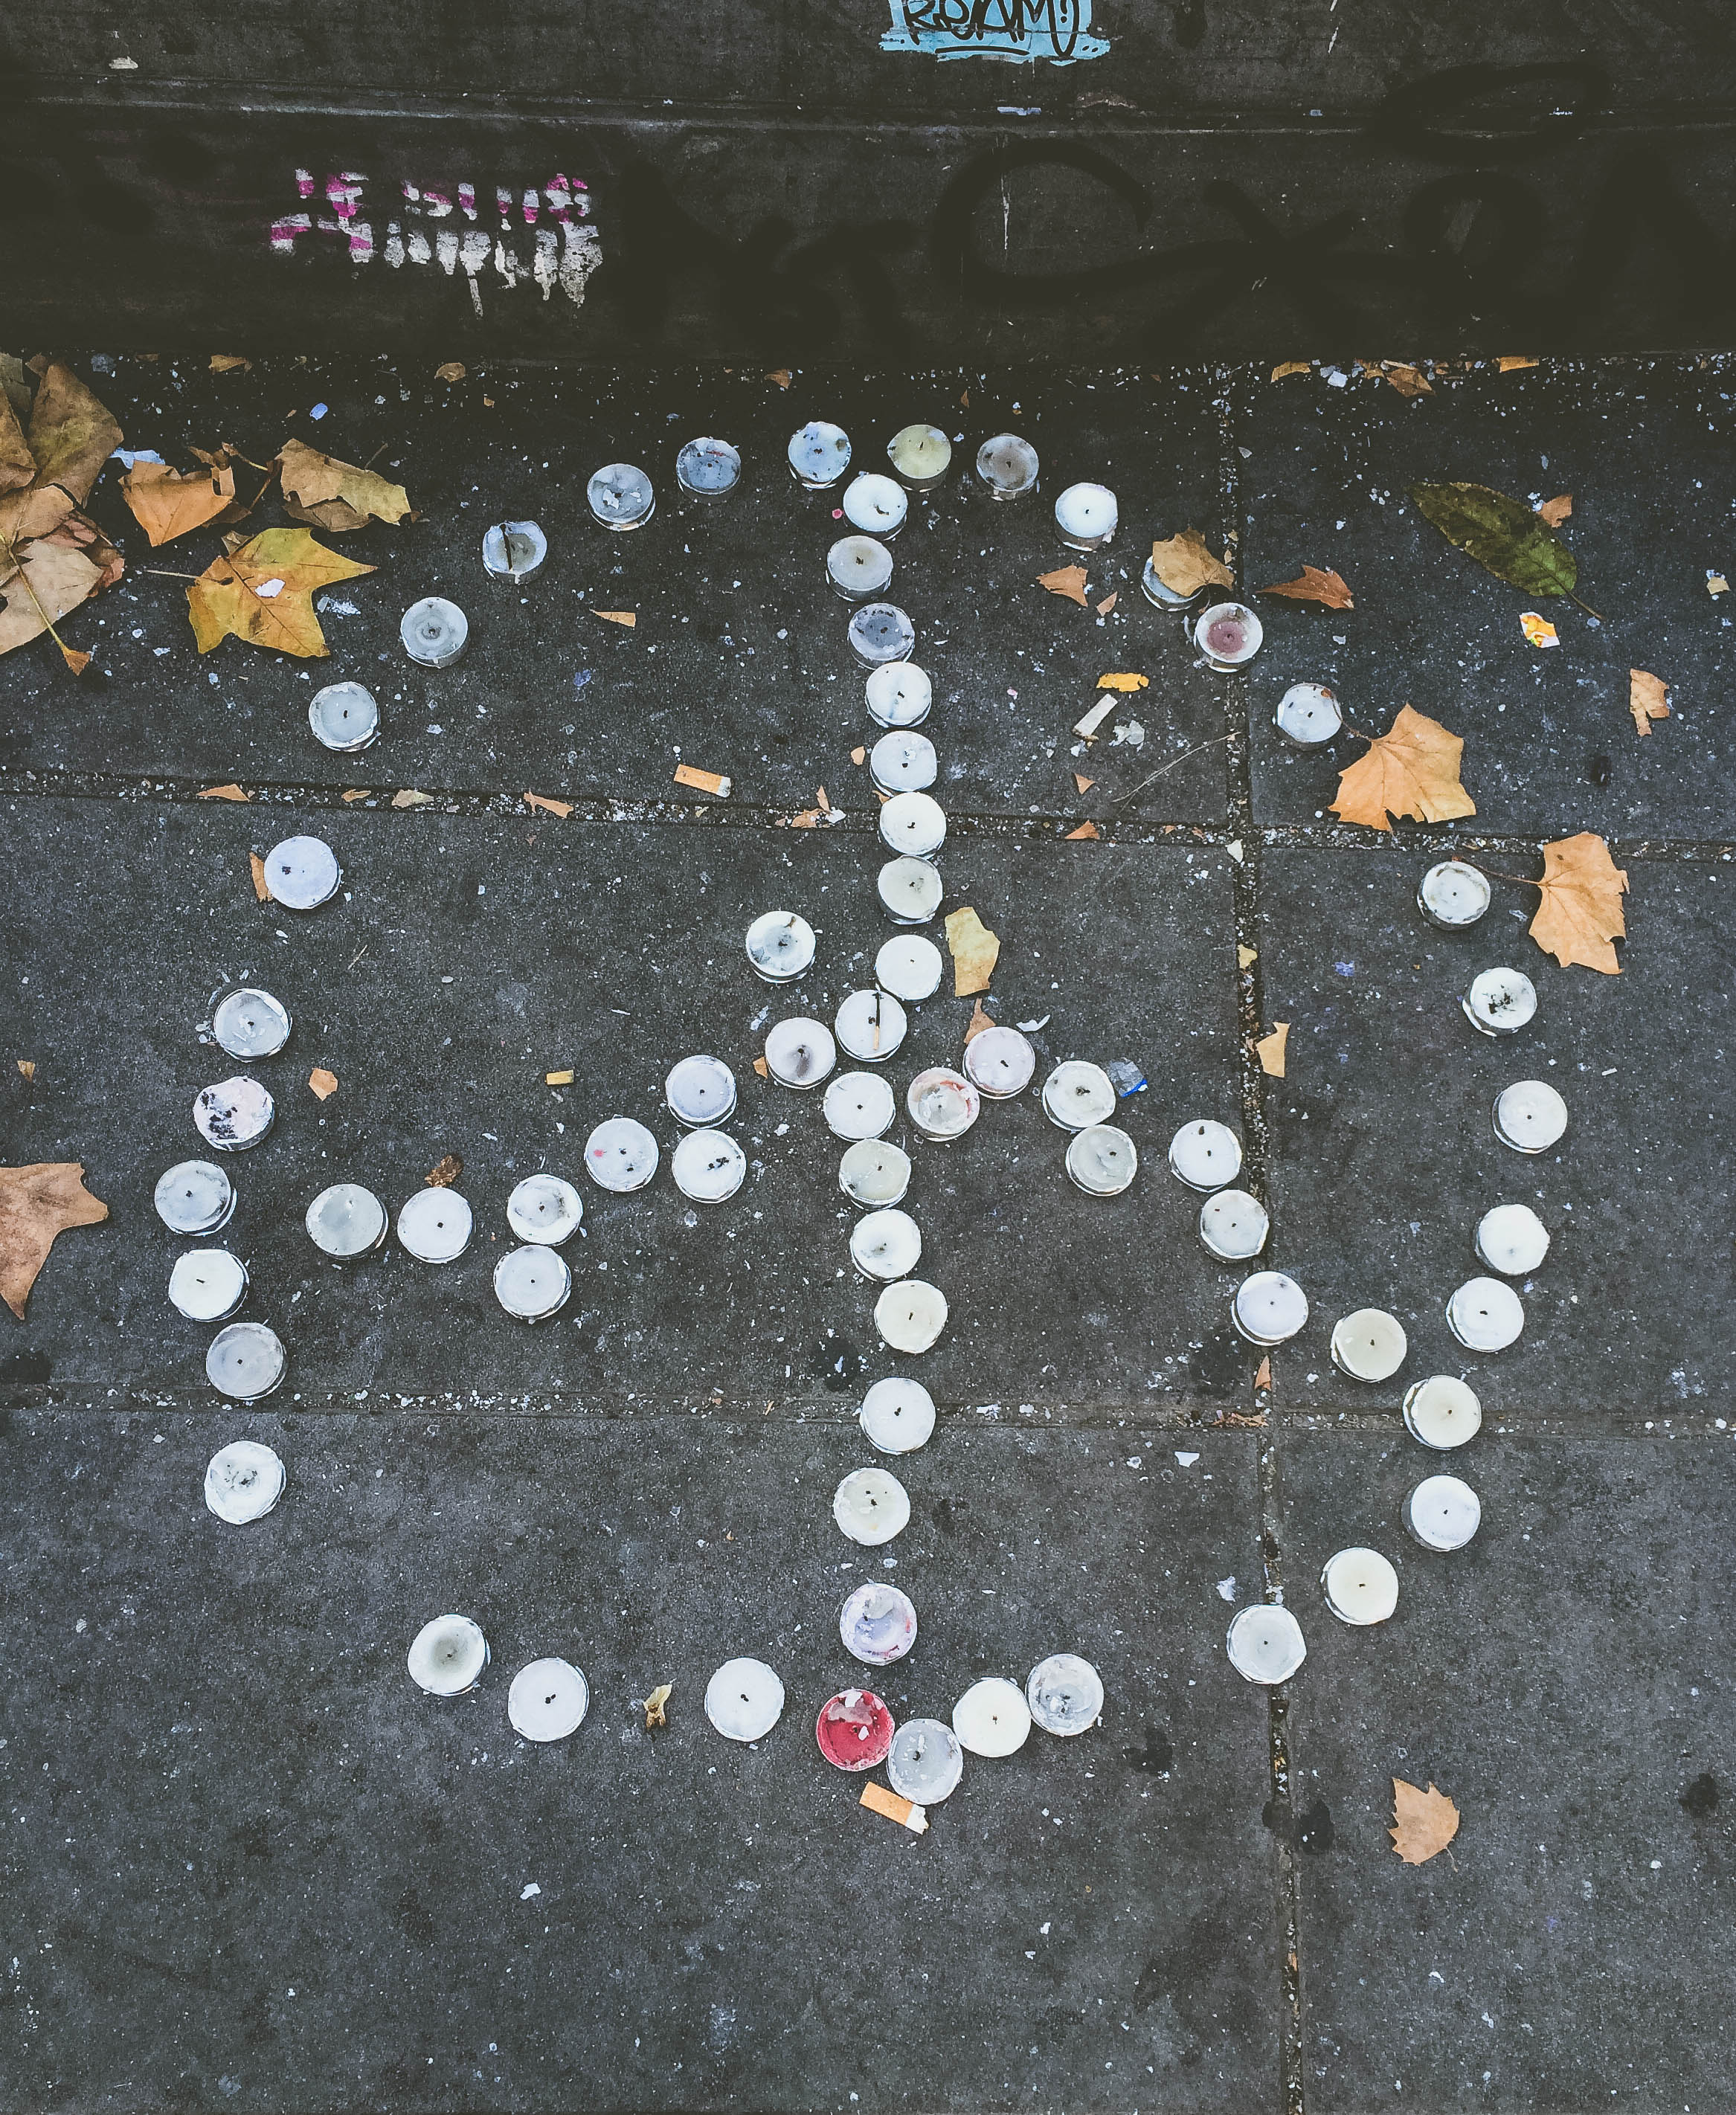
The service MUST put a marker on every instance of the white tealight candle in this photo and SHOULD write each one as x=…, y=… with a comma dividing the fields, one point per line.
x=941, y=1105
x=872, y=1172
x=909, y=891
x=920, y=455
x=908, y=966
x=799, y=1053
x=1064, y=1694
x=1265, y=1644
x=1008, y=467
x=434, y=1225
x=1512, y=1239
x=911, y=1315
x=1000, y=1062
x=1308, y=715
x=858, y=567
x=1268, y=1308
x=245, y=1361
x=620, y=1154
x=235, y=1114
x=1361, y=1587
x=250, y=1023
x=1529, y=1116
x=924, y=1762
x=1077, y=1095
x=545, y=1208
x=346, y=1221
x=243, y=1481
x=548, y=1700
x=875, y=505
x=1206, y=1155
x=780, y=946
x=886, y=1244
x=744, y=1699
x=709, y=1166
x=896, y=1416
x=708, y=468
x=1443, y=1512
x=903, y=762
x=819, y=454
x=899, y=695
x=1228, y=634
x=1369, y=1344
x=992, y=1718
x=207, y=1285
x=1234, y=1225
x=194, y=1197
x=1486, y=1314
x=1442, y=1412
x=880, y=631
x=302, y=872
x=447, y=1657
x=514, y=551
x=871, y=1506
x=869, y=1025
x=434, y=633
x=1499, y=1002
x=1102, y=1160
x=913, y=825
x=878, y=1624
x=1453, y=894
x=700, y=1091
x=620, y=496
x=343, y=716
x=532, y=1283
x=1086, y=515
x=859, y=1105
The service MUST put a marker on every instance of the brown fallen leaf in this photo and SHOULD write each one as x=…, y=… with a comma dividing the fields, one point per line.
x=629, y=617
x=1427, y=1822
x=73, y=434
x=47, y=582
x=561, y=1078
x=703, y=781
x=654, y=1714
x=762, y=1068
x=1508, y=361
x=1312, y=584
x=336, y=496
x=1067, y=580
x=1185, y=565
x=964, y=398
x=450, y=370
x=324, y=1083
x=263, y=592
x=37, y=1202
x=1648, y=698
x=17, y=464
x=1556, y=510
x=1263, y=1378
x=809, y=818
x=259, y=887
x=230, y=363
x=858, y=756
x=27, y=1065
x=230, y=792
x=1127, y=682
x=1408, y=380
x=166, y=504
x=1082, y=782
x=410, y=797
x=1290, y=367
x=1245, y=958
x=1411, y=769
x=975, y=951
x=561, y=808
x=1271, y=1049
x=444, y=1172
x=781, y=376
x=1084, y=830
x=978, y=1021
x=1580, y=915
x=1107, y=604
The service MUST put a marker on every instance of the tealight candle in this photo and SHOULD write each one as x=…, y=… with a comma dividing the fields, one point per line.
x=233, y=1115
x=1443, y=1512
x=880, y=632
x=207, y=1285
x=701, y=1092
x=447, y=1657
x=859, y=1105
x=434, y=633
x=545, y=1208
x=911, y=1315
x=1268, y=1308
x=1206, y=1155
x=908, y=966
x=858, y=568
x=878, y=1624
x=1155, y=589
x=871, y=1506
x=243, y=1481
x=941, y=1104
x=250, y=1023
x=514, y=550
x=744, y=1699
x=346, y=1221
x=1453, y=894
x=709, y=469
x=854, y=1730
x=903, y=762
x=1234, y=1225
x=1308, y=715
x=896, y=1416
x=1086, y=515
x=1228, y=634
x=899, y=694
x=886, y=1244
x=992, y=1718
x=780, y=947
x=194, y=1197
x=620, y=1154
x=819, y=454
x=799, y=1053
x=924, y=1761
x=1511, y=1239
x=1265, y=1644
x=875, y=505
x=870, y=1025
x=1529, y=1116
x=620, y=496
x=709, y=1166
x=302, y=872
x=1064, y=1694
x=1499, y=1002
x=1361, y=1587
x=548, y=1700
x=1442, y=1412
x=920, y=455
x=343, y=716
x=1486, y=1314
x=1077, y=1095
x=1008, y=467
x=1102, y=1160
x=872, y=1172
x=533, y=1283
x=909, y=890
x=1000, y=1062
x=1369, y=1344
x=913, y=825
x=245, y=1361
x=434, y=1225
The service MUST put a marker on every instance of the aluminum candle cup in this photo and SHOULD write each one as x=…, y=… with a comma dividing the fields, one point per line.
x=911, y=1315
x=1064, y=1694
x=858, y=568
x=343, y=717
x=1454, y=895
x=1228, y=634
x=879, y=632
x=1308, y=715
x=346, y=1221
x=302, y=872
x=1234, y=1225
x=1499, y=1002
x=1486, y=1314
x=878, y=1624
x=1265, y=1644
x=909, y=967
x=854, y=1730
x=1101, y=1161
x=620, y=496
x=545, y=1208
x=992, y=1718
x=869, y=1025
x=920, y=455
x=709, y=1166
x=250, y=1023
x=899, y=695
x=434, y=1226
x=1077, y=1094
x=859, y=1105
x=1151, y=586
x=913, y=825
x=700, y=1092
x=548, y=1700
x=903, y=762
x=909, y=891
x=1268, y=1308
x=885, y=1244
x=233, y=1115
x=744, y=1699
x=924, y=1762
x=875, y=505
x=999, y=1063
x=194, y=1197
x=871, y=1507
x=1361, y=1587
x=1529, y=1116
x=1369, y=1344
x=873, y=1172
x=1511, y=1239
x=447, y=1657
x=941, y=1104
x=799, y=1053
x=1443, y=1513
x=434, y=633
x=819, y=454
x=245, y=1361
x=620, y=1154
x=533, y=1283
x=1442, y=1412
x=514, y=551
x=243, y=1481
x=896, y=1416
x=1086, y=515
x=207, y=1285
x=1008, y=467
x=780, y=947
x=1206, y=1155
x=708, y=468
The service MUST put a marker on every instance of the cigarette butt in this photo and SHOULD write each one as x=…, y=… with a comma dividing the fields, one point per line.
x=914, y=1818
x=704, y=782
x=1094, y=719
x=563, y=1079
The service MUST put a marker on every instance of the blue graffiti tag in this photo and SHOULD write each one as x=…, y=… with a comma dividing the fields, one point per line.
x=1020, y=32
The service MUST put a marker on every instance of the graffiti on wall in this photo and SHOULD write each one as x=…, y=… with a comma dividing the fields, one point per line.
x=1023, y=32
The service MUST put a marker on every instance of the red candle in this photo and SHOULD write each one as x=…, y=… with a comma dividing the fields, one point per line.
x=854, y=1730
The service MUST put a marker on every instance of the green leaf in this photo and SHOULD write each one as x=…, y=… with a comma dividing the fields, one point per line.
x=1502, y=533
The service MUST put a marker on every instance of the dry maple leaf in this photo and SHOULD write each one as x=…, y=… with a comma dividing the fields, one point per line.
x=262, y=590
x=336, y=496
x=1427, y=1822
x=444, y=1172
x=1556, y=510
x=324, y=1083
x=1185, y=565
x=166, y=504
x=73, y=434
x=47, y=580
x=1648, y=698
x=37, y=1202
x=1271, y=1049
x=1312, y=584
x=974, y=951
x=1411, y=769
x=1408, y=381
x=1084, y=830
x=1580, y=915
x=974, y=1027
x=17, y=464
x=1068, y=580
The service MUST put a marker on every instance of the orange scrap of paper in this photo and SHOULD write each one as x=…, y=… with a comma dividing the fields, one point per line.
x=561, y=808
x=858, y=756
x=1263, y=1378
x=1128, y=682
x=258, y=866
x=230, y=792
x=1082, y=782
x=1085, y=830
x=1271, y=1049
x=1554, y=511
x=324, y=1083
x=629, y=617
x=761, y=1068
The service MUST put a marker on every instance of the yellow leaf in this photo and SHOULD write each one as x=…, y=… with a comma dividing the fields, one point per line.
x=561, y=1078
x=166, y=502
x=450, y=370
x=260, y=888
x=230, y=363
x=1581, y=912
x=1084, y=830
x=1509, y=360
x=976, y=951
x=1245, y=958
x=1123, y=683
x=1427, y=1822
x=71, y=434
x=410, y=797
x=323, y=1083
x=1068, y=580
x=1312, y=584
x=229, y=792
x=629, y=617
x=336, y=496
x=263, y=592
x=37, y=1202
x=1647, y=699
x=974, y=1027
x=1271, y=1049
x=1538, y=630
x=1554, y=511
x=1290, y=367
x=49, y=580
x=1184, y=565
x=1412, y=769
x=561, y=808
